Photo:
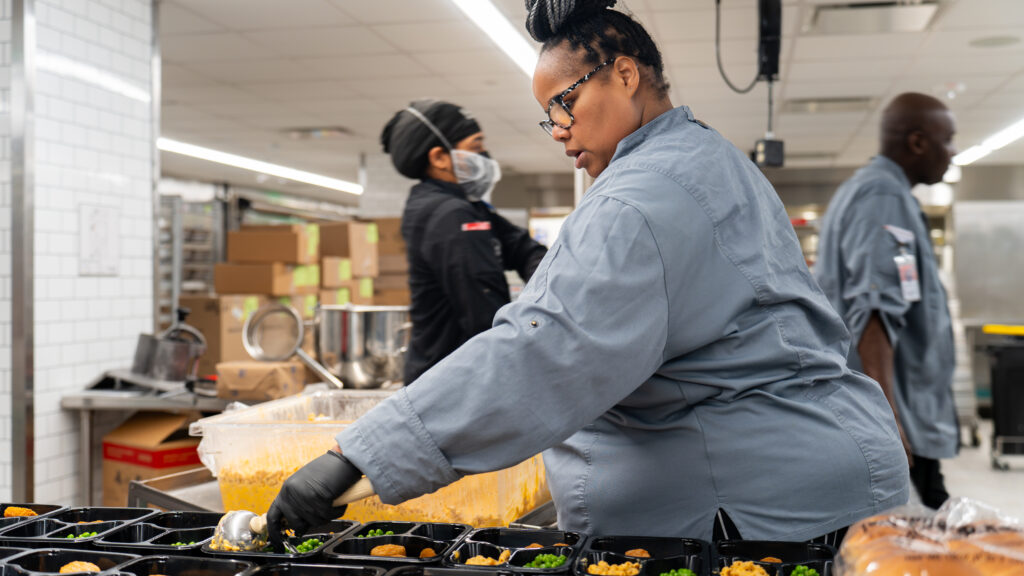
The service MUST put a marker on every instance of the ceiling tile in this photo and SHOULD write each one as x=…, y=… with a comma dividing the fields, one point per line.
x=837, y=89
x=488, y=60
x=691, y=25
x=981, y=14
x=400, y=11
x=816, y=71
x=290, y=92
x=435, y=36
x=863, y=47
x=361, y=68
x=175, y=19
x=176, y=76
x=244, y=71
x=333, y=42
x=208, y=47
x=268, y=14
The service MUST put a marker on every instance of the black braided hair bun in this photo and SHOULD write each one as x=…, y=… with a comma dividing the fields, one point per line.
x=545, y=19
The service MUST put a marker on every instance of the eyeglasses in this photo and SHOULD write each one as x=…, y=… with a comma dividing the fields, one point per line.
x=560, y=115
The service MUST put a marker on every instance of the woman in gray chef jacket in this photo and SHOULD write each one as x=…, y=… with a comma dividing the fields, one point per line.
x=672, y=355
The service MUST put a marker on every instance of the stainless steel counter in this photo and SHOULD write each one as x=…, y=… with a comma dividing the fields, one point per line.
x=111, y=393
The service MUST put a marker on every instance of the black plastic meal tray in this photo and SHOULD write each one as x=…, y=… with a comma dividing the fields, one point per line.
x=792, y=554
x=440, y=571
x=52, y=530
x=50, y=560
x=491, y=542
x=179, y=565
x=327, y=533
x=292, y=569
x=356, y=546
x=666, y=554
x=39, y=509
x=157, y=534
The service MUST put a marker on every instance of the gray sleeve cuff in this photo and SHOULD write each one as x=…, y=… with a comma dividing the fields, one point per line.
x=393, y=449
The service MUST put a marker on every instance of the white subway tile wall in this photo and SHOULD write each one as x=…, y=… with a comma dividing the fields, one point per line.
x=5, y=251
x=93, y=148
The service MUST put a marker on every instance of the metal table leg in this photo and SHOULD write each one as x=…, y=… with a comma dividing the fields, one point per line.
x=85, y=455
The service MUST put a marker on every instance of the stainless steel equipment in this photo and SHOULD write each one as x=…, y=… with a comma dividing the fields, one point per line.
x=275, y=332
x=356, y=346
x=171, y=356
x=363, y=345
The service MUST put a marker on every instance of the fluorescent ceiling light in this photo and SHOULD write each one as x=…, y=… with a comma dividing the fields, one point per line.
x=494, y=24
x=1004, y=137
x=69, y=68
x=168, y=145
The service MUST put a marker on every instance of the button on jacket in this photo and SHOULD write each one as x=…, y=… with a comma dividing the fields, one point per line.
x=458, y=252
x=857, y=271
x=673, y=356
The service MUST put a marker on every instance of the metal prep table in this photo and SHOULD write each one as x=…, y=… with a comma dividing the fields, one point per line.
x=119, y=390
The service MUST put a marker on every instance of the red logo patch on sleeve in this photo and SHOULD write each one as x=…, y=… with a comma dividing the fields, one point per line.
x=476, y=226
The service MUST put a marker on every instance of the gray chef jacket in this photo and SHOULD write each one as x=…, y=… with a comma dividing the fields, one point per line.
x=858, y=273
x=673, y=356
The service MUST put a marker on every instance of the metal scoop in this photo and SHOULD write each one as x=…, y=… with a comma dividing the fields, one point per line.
x=241, y=530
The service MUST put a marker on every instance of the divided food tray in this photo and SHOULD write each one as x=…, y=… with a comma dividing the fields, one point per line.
x=356, y=546
x=292, y=569
x=157, y=534
x=666, y=554
x=327, y=533
x=50, y=560
x=179, y=565
x=437, y=571
x=521, y=543
x=792, y=554
x=52, y=530
x=39, y=509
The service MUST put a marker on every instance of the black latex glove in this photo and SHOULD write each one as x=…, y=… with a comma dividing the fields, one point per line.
x=305, y=498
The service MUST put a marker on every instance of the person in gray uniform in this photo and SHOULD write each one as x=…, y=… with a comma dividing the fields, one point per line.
x=672, y=355
x=877, y=266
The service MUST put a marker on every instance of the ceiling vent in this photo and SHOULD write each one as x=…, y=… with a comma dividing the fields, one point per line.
x=857, y=18
x=828, y=105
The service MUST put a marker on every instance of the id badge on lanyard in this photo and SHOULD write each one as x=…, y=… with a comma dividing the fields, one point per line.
x=910, y=285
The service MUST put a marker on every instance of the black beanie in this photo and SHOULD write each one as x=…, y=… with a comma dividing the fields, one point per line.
x=408, y=140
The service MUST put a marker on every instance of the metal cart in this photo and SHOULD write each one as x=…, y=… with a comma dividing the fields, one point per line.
x=1007, y=361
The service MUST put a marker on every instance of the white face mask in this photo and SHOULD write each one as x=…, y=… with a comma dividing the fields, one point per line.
x=476, y=173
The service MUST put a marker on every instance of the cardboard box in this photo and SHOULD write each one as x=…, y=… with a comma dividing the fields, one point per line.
x=392, y=282
x=255, y=381
x=305, y=304
x=393, y=264
x=389, y=235
x=392, y=298
x=358, y=291
x=221, y=319
x=335, y=272
x=147, y=445
x=354, y=240
x=297, y=244
x=275, y=279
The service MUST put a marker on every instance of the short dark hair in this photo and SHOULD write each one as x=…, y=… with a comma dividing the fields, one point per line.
x=599, y=30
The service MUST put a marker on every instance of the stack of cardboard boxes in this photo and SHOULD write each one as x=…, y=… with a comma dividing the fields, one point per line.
x=393, y=283
x=350, y=262
x=265, y=263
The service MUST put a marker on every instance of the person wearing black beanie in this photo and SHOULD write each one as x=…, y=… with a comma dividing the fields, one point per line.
x=458, y=247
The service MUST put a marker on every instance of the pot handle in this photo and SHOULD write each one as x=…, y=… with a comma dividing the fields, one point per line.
x=319, y=369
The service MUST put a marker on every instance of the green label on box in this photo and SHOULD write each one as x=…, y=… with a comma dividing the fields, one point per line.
x=285, y=300
x=313, y=239
x=306, y=276
x=366, y=287
x=345, y=269
x=342, y=296
x=372, y=236
x=309, y=305
x=249, y=305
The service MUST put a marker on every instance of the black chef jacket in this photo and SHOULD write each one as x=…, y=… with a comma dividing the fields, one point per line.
x=458, y=252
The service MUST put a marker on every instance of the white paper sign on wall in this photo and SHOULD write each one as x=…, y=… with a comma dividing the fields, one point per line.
x=99, y=247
